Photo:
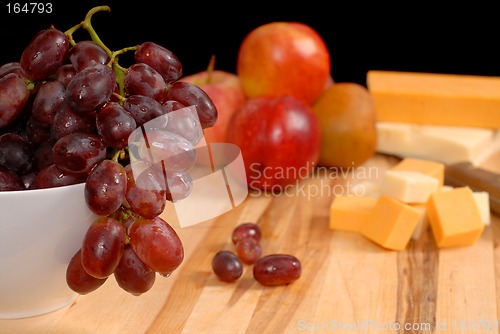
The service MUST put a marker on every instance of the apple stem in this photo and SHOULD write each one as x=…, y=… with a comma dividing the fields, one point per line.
x=210, y=68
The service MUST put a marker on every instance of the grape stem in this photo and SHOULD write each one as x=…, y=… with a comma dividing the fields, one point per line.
x=119, y=70
x=87, y=25
x=113, y=55
x=118, y=155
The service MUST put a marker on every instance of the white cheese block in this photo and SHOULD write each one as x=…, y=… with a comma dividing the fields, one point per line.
x=483, y=204
x=446, y=144
x=408, y=186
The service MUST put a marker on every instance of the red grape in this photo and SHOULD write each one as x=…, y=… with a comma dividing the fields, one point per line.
x=46, y=52
x=16, y=153
x=67, y=121
x=102, y=247
x=13, y=97
x=143, y=108
x=249, y=250
x=246, y=230
x=157, y=244
x=10, y=181
x=12, y=67
x=36, y=131
x=171, y=105
x=65, y=73
x=277, y=269
x=133, y=275
x=90, y=88
x=145, y=194
x=43, y=155
x=177, y=153
x=47, y=101
x=115, y=124
x=161, y=59
x=142, y=79
x=192, y=95
x=78, y=279
x=105, y=187
x=227, y=266
x=51, y=177
x=78, y=152
x=87, y=53
x=179, y=185
x=185, y=123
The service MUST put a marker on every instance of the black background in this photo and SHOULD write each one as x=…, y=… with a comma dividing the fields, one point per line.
x=411, y=37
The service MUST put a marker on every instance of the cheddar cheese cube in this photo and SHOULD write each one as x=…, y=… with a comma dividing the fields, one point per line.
x=454, y=217
x=348, y=213
x=428, y=167
x=482, y=199
x=391, y=223
x=408, y=186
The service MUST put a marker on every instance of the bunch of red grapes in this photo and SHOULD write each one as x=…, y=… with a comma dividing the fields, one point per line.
x=70, y=114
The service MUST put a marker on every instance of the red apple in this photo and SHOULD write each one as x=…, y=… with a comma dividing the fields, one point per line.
x=279, y=138
x=225, y=91
x=283, y=58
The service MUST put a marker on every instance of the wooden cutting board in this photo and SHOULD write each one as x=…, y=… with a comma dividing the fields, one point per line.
x=348, y=284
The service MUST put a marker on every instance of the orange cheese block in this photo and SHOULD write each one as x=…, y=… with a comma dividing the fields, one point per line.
x=391, y=223
x=454, y=217
x=439, y=99
x=428, y=167
x=348, y=213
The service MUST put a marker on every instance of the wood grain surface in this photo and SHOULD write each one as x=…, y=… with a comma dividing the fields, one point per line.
x=348, y=284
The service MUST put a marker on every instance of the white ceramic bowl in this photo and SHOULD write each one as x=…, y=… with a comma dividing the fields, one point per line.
x=40, y=230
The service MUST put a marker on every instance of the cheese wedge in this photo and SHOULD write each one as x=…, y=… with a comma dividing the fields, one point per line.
x=391, y=223
x=433, y=98
x=454, y=217
x=445, y=144
x=349, y=213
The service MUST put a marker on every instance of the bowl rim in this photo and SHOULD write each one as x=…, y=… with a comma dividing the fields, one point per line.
x=39, y=190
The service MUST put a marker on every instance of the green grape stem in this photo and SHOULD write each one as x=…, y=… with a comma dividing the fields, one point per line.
x=118, y=155
x=87, y=25
x=119, y=70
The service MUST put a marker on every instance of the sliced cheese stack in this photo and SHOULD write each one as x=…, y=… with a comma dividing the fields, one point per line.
x=411, y=198
x=443, y=117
